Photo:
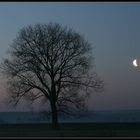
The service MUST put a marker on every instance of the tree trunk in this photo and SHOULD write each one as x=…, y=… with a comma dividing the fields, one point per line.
x=53, y=105
x=54, y=116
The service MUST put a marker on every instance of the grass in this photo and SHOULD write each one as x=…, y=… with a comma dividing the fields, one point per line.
x=71, y=130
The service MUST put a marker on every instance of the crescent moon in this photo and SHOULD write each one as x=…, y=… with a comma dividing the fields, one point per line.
x=135, y=63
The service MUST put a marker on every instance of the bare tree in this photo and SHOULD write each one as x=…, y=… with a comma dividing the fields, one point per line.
x=52, y=62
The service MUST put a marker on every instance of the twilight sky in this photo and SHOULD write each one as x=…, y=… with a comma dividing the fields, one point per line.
x=113, y=29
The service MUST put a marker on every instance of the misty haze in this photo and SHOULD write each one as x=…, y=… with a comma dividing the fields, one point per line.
x=69, y=69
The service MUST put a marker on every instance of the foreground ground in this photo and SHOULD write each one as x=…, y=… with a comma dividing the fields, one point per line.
x=71, y=130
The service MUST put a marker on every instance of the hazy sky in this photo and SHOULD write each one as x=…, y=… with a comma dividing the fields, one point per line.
x=113, y=29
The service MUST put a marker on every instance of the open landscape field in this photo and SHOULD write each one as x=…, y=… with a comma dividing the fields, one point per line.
x=71, y=130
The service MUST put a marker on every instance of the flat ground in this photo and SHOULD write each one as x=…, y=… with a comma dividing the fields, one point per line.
x=71, y=130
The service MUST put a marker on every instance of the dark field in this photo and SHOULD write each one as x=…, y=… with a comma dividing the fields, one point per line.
x=71, y=130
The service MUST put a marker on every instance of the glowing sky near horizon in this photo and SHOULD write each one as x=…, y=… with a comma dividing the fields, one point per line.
x=113, y=29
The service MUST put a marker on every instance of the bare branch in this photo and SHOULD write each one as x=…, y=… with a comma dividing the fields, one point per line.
x=51, y=61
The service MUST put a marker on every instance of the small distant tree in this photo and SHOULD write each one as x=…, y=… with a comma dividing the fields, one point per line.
x=52, y=62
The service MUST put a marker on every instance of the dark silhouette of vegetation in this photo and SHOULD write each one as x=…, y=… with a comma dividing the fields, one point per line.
x=52, y=62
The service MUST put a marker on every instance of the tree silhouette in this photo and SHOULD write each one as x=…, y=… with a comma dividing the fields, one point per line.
x=52, y=62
